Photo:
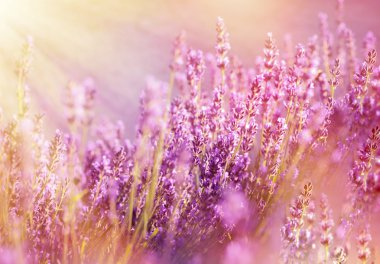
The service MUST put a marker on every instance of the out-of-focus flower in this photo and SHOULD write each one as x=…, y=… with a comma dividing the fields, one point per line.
x=240, y=251
x=222, y=45
x=234, y=207
x=364, y=251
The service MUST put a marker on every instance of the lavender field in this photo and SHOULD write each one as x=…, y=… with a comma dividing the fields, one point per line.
x=267, y=158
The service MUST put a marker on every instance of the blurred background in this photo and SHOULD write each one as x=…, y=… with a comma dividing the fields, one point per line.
x=120, y=43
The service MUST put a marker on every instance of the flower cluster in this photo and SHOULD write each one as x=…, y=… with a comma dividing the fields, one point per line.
x=219, y=150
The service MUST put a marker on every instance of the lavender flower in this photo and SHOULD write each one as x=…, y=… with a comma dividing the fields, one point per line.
x=219, y=149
